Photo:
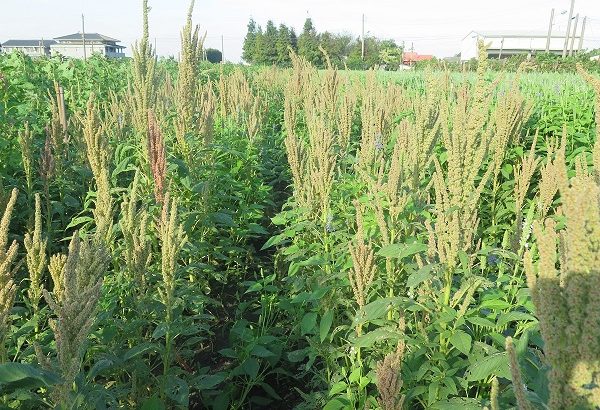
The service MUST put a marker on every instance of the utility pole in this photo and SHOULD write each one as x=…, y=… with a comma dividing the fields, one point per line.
x=564, y=53
x=549, y=31
x=154, y=45
x=501, y=48
x=83, y=36
x=582, y=33
x=222, y=50
x=402, y=54
x=574, y=35
x=362, y=39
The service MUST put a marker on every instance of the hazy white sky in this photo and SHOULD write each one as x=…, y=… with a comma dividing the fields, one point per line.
x=433, y=26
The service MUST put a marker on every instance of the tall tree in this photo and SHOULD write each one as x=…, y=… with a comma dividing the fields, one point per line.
x=390, y=54
x=337, y=47
x=213, y=55
x=270, y=43
x=293, y=39
x=259, y=50
x=371, y=59
x=271, y=46
x=308, y=44
x=284, y=42
x=249, y=42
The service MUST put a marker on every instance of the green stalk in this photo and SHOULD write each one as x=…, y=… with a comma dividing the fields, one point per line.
x=448, y=286
x=493, y=205
x=390, y=272
x=48, y=216
x=3, y=352
x=167, y=355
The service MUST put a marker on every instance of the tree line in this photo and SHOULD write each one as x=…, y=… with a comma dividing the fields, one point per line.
x=272, y=45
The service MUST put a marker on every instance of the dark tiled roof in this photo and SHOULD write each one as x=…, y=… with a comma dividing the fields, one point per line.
x=27, y=43
x=88, y=36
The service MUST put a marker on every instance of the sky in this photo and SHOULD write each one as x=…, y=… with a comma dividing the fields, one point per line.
x=430, y=26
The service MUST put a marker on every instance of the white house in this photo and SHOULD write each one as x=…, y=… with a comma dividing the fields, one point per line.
x=73, y=45
x=507, y=43
x=33, y=48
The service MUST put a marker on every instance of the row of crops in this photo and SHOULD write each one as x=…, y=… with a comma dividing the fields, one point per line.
x=183, y=235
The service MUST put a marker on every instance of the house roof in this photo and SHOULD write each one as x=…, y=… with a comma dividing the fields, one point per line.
x=412, y=56
x=88, y=37
x=516, y=34
x=27, y=43
x=90, y=43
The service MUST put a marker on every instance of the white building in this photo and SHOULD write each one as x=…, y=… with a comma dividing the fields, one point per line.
x=68, y=46
x=33, y=48
x=94, y=43
x=507, y=43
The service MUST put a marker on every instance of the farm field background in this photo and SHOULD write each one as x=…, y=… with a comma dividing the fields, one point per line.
x=190, y=235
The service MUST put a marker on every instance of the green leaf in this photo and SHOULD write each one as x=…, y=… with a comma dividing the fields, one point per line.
x=228, y=352
x=261, y=351
x=402, y=250
x=20, y=372
x=376, y=309
x=495, y=364
x=222, y=219
x=160, y=331
x=355, y=375
x=296, y=356
x=461, y=341
x=79, y=220
x=315, y=260
x=335, y=404
x=432, y=394
x=251, y=367
x=270, y=391
x=464, y=261
x=255, y=287
x=274, y=241
x=100, y=366
x=209, y=381
x=420, y=276
x=458, y=403
x=337, y=388
x=506, y=170
x=137, y=350
x=363, y=382
x=415, y=392
x=521, y=344
x=376, y=335
x=71, y=202
x=308, y=323
x=221, y=401
x=279, y=219
x=480, y=321
x=258, y=229
x=325, y=325
x=153, y=403
x=495, y=304
x=178, y=390
x=514, y=317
